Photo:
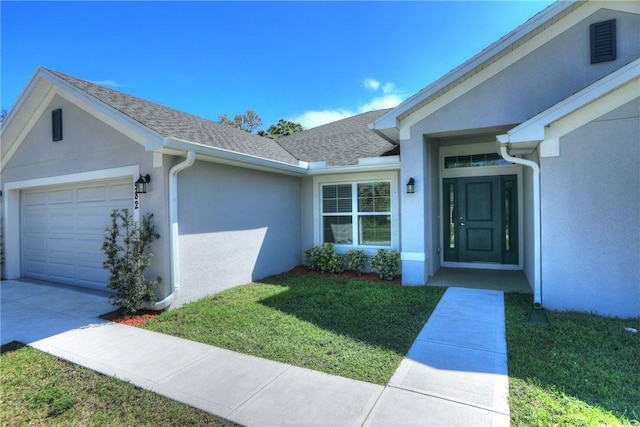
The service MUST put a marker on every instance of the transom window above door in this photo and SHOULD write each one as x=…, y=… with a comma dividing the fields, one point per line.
x=474, y=160
x=357, y=212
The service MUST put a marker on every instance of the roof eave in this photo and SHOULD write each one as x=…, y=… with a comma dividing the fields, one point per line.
x=220, y=155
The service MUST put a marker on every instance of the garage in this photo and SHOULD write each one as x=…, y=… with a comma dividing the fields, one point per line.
x=62, y=230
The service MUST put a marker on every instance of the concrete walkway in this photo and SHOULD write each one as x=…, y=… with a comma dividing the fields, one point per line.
x=455, y=373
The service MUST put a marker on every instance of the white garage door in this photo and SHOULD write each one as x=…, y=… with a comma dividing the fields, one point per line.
x=63, y=229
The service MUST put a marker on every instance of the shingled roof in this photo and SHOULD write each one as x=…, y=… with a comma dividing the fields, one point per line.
x=340, y=143
x=170, y=123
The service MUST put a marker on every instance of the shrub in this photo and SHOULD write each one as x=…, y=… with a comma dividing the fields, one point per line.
x=324, y=258
x=387, y=262
x=355, y=260
x=128, y=252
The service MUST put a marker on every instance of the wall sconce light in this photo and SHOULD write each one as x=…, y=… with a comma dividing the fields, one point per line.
x=411, y=186
x=141, y=184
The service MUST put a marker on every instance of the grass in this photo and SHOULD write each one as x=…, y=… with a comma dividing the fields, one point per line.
x=39, y=389
x=355, y=329
x=583, y=370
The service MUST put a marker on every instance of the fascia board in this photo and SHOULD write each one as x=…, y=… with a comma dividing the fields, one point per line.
x=220, y=155
x=392, y=118
x=377, y=167
x=106, y=113
x=56, y=86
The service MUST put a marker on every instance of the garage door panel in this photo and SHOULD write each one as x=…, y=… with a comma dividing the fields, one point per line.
x=120, y=192
x=60, y=221
x=63, y=230
x=91, y=194
x=60, y=197
x=35, y=199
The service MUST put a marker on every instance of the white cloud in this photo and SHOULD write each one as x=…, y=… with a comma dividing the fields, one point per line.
x=389, y=98
x=111, y=83
x=311, y=119
x=371, y=84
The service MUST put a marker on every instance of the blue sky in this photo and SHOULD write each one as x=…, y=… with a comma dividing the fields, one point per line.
x=310, y=62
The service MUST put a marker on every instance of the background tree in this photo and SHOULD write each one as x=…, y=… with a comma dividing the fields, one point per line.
x=282, y=128
x=249, y=121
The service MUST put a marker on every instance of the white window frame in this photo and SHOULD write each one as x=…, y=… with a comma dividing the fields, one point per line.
x=353, y=180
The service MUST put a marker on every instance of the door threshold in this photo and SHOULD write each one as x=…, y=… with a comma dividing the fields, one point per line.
x=481, y=265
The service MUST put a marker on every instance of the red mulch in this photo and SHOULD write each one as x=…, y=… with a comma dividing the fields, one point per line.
x=348, y=274
x=130, y=319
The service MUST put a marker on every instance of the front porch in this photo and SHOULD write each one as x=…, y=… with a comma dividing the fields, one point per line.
x=501, y=280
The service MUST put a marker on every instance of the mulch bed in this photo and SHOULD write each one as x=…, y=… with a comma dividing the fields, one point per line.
x=118, y=316
x=348, y=274
x=134, y=319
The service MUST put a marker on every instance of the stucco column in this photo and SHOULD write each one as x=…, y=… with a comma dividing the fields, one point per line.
x=413, y=164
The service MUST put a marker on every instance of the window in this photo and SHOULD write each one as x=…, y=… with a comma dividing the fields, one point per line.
x=357, y=212
x=474, y=160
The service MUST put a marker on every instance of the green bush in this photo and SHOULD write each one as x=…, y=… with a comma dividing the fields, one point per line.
x=387, y=262
x=355, y=260
x=128, y=252
x=324, y=259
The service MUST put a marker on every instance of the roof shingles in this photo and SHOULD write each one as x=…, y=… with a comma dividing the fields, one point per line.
x=339, y=143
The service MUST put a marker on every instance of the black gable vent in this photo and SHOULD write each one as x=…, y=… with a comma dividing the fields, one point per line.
x=56, y=125
x=603, y=41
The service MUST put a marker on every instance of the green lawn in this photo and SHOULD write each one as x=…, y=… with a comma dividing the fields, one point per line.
x=583, y=370
x=39, y=389
x=355, y=329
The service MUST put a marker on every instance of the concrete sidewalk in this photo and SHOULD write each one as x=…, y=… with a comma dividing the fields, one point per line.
x=455, y=373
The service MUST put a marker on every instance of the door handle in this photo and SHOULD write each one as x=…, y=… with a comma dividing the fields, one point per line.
x=461, y=219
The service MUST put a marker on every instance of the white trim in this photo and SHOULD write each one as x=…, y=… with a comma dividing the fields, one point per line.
x=234, y=158
x=515, y=169
x=11, y=202
x=391, y=176
x=593, y=101
x=481, y=265
x=413, y=256
x=480, y=68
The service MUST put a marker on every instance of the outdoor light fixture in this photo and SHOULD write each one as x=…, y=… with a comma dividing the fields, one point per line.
x=411, y=186
x=141, y=184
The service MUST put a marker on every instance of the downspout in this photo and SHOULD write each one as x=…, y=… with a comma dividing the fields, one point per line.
x=537, y=265
x=173, y=237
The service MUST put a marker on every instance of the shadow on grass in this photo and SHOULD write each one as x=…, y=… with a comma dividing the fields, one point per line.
x=11, y=346
x=584, y=356
x=380, y=314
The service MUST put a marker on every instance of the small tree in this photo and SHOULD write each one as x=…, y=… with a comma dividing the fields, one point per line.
x=128, y=253
x=282, y=128
x=249, y=121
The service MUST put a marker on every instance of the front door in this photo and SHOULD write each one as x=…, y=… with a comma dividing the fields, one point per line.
x=480, y=219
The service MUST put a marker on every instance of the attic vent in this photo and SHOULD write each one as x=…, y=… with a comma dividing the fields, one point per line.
x=56, y=125
x=603, y=41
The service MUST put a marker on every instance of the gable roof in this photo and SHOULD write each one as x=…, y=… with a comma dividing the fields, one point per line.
x=525, y=138
x=389, y=123
x=340, y=143
x=170, y=123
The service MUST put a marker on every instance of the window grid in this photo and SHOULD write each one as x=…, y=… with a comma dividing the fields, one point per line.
x=369, y=216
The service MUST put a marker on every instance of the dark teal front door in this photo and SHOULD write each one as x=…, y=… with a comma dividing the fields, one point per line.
x=480, y=219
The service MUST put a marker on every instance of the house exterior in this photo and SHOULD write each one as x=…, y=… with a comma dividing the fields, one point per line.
x=524, y=158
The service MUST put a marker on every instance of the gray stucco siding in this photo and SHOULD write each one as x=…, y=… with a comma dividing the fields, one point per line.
x=590, y=210
x=539, y=80
x=88, y=145
x=235, y=225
